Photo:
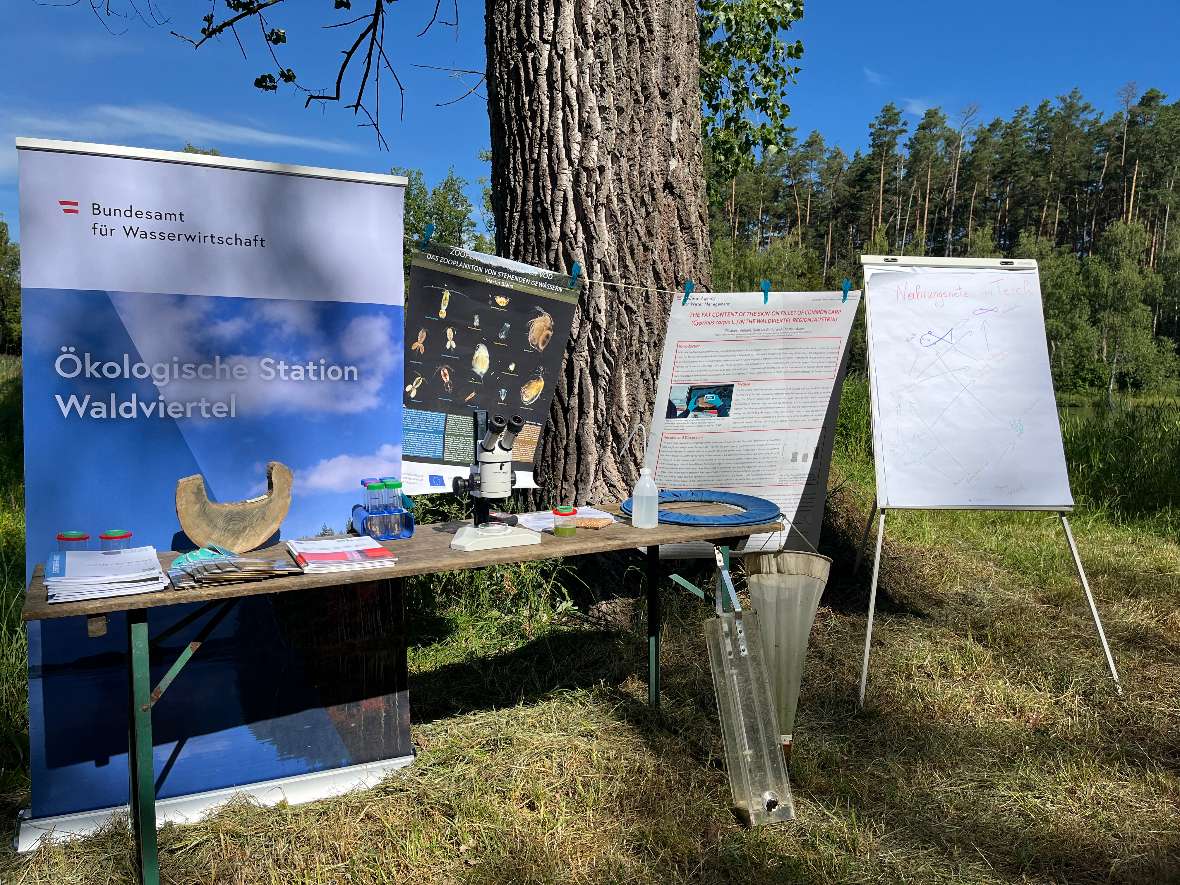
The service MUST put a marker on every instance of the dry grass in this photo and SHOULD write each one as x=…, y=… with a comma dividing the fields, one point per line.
x=992, y=748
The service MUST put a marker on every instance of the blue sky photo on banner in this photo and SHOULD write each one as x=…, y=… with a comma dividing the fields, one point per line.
x=182, y=315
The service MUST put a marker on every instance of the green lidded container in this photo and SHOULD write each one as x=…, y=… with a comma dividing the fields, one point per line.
x=565, y=521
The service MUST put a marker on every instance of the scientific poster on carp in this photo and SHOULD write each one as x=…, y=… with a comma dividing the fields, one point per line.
x=191, y=315
x=747, y=401
x=481, y=333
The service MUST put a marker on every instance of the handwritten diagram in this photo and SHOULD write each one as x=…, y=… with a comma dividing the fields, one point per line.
x=963, y=407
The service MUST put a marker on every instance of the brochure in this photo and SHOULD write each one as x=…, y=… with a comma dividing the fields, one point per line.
x=94, y=574
x=339, y=554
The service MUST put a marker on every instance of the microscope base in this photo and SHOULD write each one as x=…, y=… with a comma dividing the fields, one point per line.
x=492, y=537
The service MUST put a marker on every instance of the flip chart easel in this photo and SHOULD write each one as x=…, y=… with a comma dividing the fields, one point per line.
x=963, y=411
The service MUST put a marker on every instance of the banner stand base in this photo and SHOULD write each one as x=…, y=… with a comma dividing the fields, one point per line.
x=192, y=808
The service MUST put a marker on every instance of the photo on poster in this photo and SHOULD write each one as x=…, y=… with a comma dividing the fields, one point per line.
x=481, y=332
x=700, y=401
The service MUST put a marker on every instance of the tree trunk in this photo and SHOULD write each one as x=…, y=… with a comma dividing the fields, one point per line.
x=1167, y=213
x=905, y=228
x=1131, y=203
x=926, y=210
x=971, y=214
x=595, y=117
x=950, y=217
x=1045, y=207
x=828, y=252
x=881, y=194
x=798, y=213
x=759, y=246
x=1096, y=201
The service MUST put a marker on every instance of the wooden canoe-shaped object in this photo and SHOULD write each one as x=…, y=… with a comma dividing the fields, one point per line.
x=238, y=525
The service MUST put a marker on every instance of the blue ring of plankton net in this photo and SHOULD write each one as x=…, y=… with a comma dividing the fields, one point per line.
x=755, y=511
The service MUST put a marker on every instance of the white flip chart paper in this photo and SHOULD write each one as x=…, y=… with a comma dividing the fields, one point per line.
x=964, y=415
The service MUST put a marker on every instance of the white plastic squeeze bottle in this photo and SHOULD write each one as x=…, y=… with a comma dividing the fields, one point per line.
x=645, y=501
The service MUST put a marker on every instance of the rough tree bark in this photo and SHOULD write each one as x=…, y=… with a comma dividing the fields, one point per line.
x=595, y=112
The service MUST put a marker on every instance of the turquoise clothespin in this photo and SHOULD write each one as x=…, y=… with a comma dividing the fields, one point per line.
x=426, y=237
x=846, y=285
x=688, y=287
x=575, y=272
x=766, y=291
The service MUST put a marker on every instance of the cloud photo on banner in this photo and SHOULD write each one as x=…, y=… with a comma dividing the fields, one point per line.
x=258, y=334
x=341, y=473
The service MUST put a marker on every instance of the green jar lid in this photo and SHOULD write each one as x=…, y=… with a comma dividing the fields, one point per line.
x=565, y=510
x=73, y=536
x=375, y=486
x=115, y=535
x=394, y=484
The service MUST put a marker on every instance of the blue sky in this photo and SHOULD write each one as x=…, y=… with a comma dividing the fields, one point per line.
x=66, y=77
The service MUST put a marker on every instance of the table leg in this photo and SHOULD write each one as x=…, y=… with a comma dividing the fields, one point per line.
x=142, y=798
x=653, y=626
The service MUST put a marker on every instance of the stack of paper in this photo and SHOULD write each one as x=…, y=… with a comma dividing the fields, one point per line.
x=217, y=566
x=317, y=556
x=91, y=574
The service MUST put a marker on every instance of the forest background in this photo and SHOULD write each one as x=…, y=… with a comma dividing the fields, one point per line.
x=1091, y=197
x=992, y=749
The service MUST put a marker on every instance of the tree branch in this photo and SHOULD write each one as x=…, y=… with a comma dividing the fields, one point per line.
x=215, y=30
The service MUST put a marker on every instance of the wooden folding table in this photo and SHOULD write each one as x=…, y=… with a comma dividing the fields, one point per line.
x=427, y=552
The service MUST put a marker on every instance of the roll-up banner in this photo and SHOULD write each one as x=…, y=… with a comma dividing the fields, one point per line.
x=184, y=315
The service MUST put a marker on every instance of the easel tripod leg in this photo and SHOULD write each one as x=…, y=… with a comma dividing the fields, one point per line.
x=864, y=666
x=653, y=626
x=864, y=539
x=1077, y=561
x=142, y=798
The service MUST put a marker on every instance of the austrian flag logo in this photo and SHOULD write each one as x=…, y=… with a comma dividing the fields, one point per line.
x=69, y=207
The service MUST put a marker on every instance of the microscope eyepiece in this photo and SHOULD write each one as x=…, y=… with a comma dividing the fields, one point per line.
x=496, y=425
x=508, y=440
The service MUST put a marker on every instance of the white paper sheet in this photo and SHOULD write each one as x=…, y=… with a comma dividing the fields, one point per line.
x=542, y=520
x=747, y=401
x=964, y=414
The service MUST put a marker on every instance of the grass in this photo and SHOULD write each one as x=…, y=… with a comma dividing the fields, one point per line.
x=14, y=738
x=992, y=748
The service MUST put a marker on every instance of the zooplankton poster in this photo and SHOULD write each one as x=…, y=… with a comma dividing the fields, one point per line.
x=184, y=315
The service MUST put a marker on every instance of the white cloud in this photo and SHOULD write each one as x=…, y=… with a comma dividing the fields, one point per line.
x=873, y=77
x=147, y=122
x=343, y=473
x=916, y=106
x=227, y=330
x=93, y=47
